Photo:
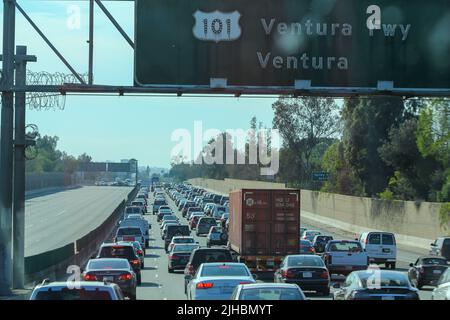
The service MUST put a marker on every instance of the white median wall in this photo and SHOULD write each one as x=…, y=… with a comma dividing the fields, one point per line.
x=414, y=223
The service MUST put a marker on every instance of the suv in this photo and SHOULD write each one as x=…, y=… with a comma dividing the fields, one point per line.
x=122, y=251
x=204, y=224
x=204, y=255
x=157, y=204
x=441, y=247
x=380, y=247
x=130, y=233
x=80, y=290
x=175, y=231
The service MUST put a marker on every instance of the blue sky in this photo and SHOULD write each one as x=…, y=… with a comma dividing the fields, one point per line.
x=114, y=128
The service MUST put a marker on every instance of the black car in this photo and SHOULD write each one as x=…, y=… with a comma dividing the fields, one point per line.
x=205, y=255
x=320, y=241
x=118, y=271
x=307, y=271
x=427, y=270
x=179, y=256
x=122, y=251
x=173, y=231
x=375, y=285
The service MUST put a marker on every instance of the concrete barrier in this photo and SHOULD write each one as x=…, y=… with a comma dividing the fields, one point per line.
x=414, y=223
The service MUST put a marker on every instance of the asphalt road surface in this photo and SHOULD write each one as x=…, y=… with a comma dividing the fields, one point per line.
x=54, y=220
x=159, y=284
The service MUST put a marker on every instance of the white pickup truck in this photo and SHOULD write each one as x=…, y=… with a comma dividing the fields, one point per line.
x=345, y=256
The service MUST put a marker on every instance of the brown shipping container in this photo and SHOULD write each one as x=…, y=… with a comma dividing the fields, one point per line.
x=264, y=222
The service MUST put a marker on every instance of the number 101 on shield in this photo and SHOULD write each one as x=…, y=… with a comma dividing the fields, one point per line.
x=217, y=26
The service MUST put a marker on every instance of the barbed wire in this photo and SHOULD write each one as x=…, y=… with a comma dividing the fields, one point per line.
x=48, y=100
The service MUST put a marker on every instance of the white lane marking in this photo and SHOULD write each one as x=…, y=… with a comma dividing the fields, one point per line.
x=62, y=212
x=29, y=226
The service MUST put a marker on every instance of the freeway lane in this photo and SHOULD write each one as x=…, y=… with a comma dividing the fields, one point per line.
x=54, y=220
x=158, y=284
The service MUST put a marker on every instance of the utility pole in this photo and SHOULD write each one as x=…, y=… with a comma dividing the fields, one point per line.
x=20, y=143
x=6, y=147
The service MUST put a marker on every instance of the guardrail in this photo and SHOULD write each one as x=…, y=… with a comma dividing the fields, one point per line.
x=54, y=264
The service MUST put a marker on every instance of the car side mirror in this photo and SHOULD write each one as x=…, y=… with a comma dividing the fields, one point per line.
x=336, y=285
x=356, y=239
x=411, y=265
x=433, y=244
x=255, y=276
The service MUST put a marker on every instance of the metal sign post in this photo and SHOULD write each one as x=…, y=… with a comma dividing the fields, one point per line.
x=20, y=143
x=6, y=147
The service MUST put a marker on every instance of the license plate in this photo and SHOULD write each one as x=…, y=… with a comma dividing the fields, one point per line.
x=388, y=298
x=386, y=250
x=307, y=275
x=128, y=238
x=437, y=271
x=348, y=267
x=110, y=279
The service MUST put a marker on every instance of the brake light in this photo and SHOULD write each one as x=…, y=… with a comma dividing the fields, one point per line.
x=324, y=275
x=190, y=269
x=311, y=249
x=90, y=277
x=125, y=276
x=287, y=274
x=173, y=257
x=244, y=282
x=204, y=285
x=135, y=262
x=140, y=252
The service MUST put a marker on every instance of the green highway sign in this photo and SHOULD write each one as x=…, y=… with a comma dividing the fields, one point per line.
x=293, y=43
x=320, y=176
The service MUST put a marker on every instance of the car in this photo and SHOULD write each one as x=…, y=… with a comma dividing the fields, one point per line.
x=140, y=203
x=217, y=211
x=216, y=236
x=132, y=210
x=165, y=225
x=130, y=233
x=427, y=270
x=381, y=247
x=179, y=255
x=204, y=255
x=162, y=213
x=441, y=247
x=122, y=251
x=207, y=208
x=204, y=224
x=345, y=256
x=181, y=240
x=224, y=219
x=139, y=250
x=77, y=290
x=310, y=234
x=306, y=247
x=114, y=270
x=442, y=290
x=139, y=223
x=375, y=284
x=169, y=217
x=307, y=271
x=157, y=203
x=175, y=231
x=217, y=281
x=191, y=210
x=186, y=206
x=194, y=220
x=319, y=242
x=268, y=291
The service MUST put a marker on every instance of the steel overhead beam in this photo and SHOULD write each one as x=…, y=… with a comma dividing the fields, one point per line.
x=235, y=90
x=115, y=23
x=27, y=17
x=91, y=42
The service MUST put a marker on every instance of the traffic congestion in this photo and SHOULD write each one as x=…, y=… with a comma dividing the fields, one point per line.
x=249, y=245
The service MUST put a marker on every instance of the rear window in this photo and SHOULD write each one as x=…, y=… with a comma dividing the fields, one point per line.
x=224, y=271
x=271, y=294
x=202, y=256
x=385, y=280
x=375, y=238
x=207, y=221
x=434, y=261
x=132, y=210
x=446, y=243
x=129, y=232
x=125, y=252
x=178, y=231
x=160, y=202
x=388, y=239
x=186, y=240
x=184, y=248
x=74, y=294
x=345, y=246
x=305, y=262
x=110, y=264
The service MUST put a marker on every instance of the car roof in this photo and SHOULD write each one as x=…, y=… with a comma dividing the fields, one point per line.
x=431, y=257
x=112, y=244
x=269, y=285
x=75, y=284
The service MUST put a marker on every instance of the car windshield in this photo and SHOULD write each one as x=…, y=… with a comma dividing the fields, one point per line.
x=207, y=221
x=224, y=271
x=132, y=210
x=345, y=246
x=108, y=264
x=309, y=261
x=434, y=261
x=129, y=232
x=74, y=294
x=125, y=252
x=382, y=279
x=270, y=294
x=183, y=240
x=184, y=248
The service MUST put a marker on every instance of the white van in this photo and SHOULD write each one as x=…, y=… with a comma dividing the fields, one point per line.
x=381, y=247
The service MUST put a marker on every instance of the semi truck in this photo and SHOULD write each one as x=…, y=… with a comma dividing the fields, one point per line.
x=264, y=227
